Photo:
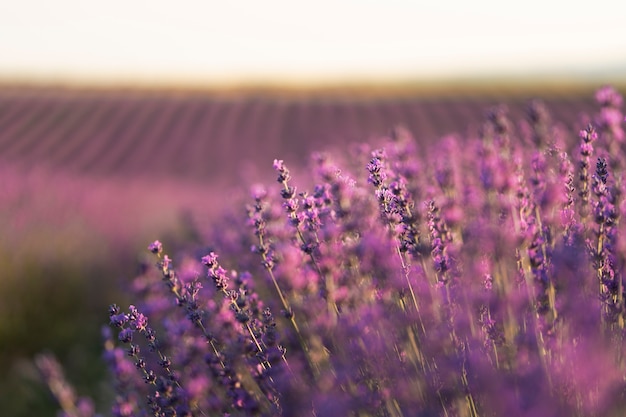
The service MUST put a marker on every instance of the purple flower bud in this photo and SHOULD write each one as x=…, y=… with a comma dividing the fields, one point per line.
x=258, y=191
x=165, y=362
x=210, y=260
x=608, y=96
x=124, y=409
x=377, y=172
x=488, y=282
x=155, y=247
x=133, y=350
x=166, y=262
x=219, y=276
x=288, y=192
x=601, y=170
x=290, y=206
x=150, y=377
x=278, y=164
x=586, y=149
x=588, y=134
x=283, y=172
x=126, y=335
x=118, y=320
x=141, y=322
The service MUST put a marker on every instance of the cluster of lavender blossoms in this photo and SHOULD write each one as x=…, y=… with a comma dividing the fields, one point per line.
x=481, y=277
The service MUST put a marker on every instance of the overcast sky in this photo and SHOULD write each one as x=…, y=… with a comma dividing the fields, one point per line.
x=274, y=40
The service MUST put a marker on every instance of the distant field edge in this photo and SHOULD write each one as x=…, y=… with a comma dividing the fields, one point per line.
x=456, y=87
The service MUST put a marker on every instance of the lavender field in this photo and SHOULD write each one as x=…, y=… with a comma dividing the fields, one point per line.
x=209, y=138
x=323, y=255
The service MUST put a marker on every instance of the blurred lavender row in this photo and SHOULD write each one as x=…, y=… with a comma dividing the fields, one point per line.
x=206, y=137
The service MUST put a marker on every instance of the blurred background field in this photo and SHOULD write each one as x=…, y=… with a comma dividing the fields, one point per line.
x=134, y=122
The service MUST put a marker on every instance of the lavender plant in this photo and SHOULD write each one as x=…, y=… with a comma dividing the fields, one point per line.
x=482, y=282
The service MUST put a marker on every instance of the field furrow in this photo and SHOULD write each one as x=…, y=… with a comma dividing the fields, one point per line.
x=208, y=137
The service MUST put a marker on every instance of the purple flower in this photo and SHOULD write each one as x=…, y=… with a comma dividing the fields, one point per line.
x=219, y=276
x=118, y=320
x=601, y=170
x=589, y=134
x=608, y=96
x=258, y=191
x=166, y=262
x=376, y=169
x=155, y=247
x=283, y=172
x=139, y=321
x=126, y=335
x=210, y=260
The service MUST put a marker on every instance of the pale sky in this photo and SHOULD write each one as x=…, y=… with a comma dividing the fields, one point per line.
x=291, y=40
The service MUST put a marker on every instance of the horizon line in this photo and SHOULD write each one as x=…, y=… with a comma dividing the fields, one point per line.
x=550, y=82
